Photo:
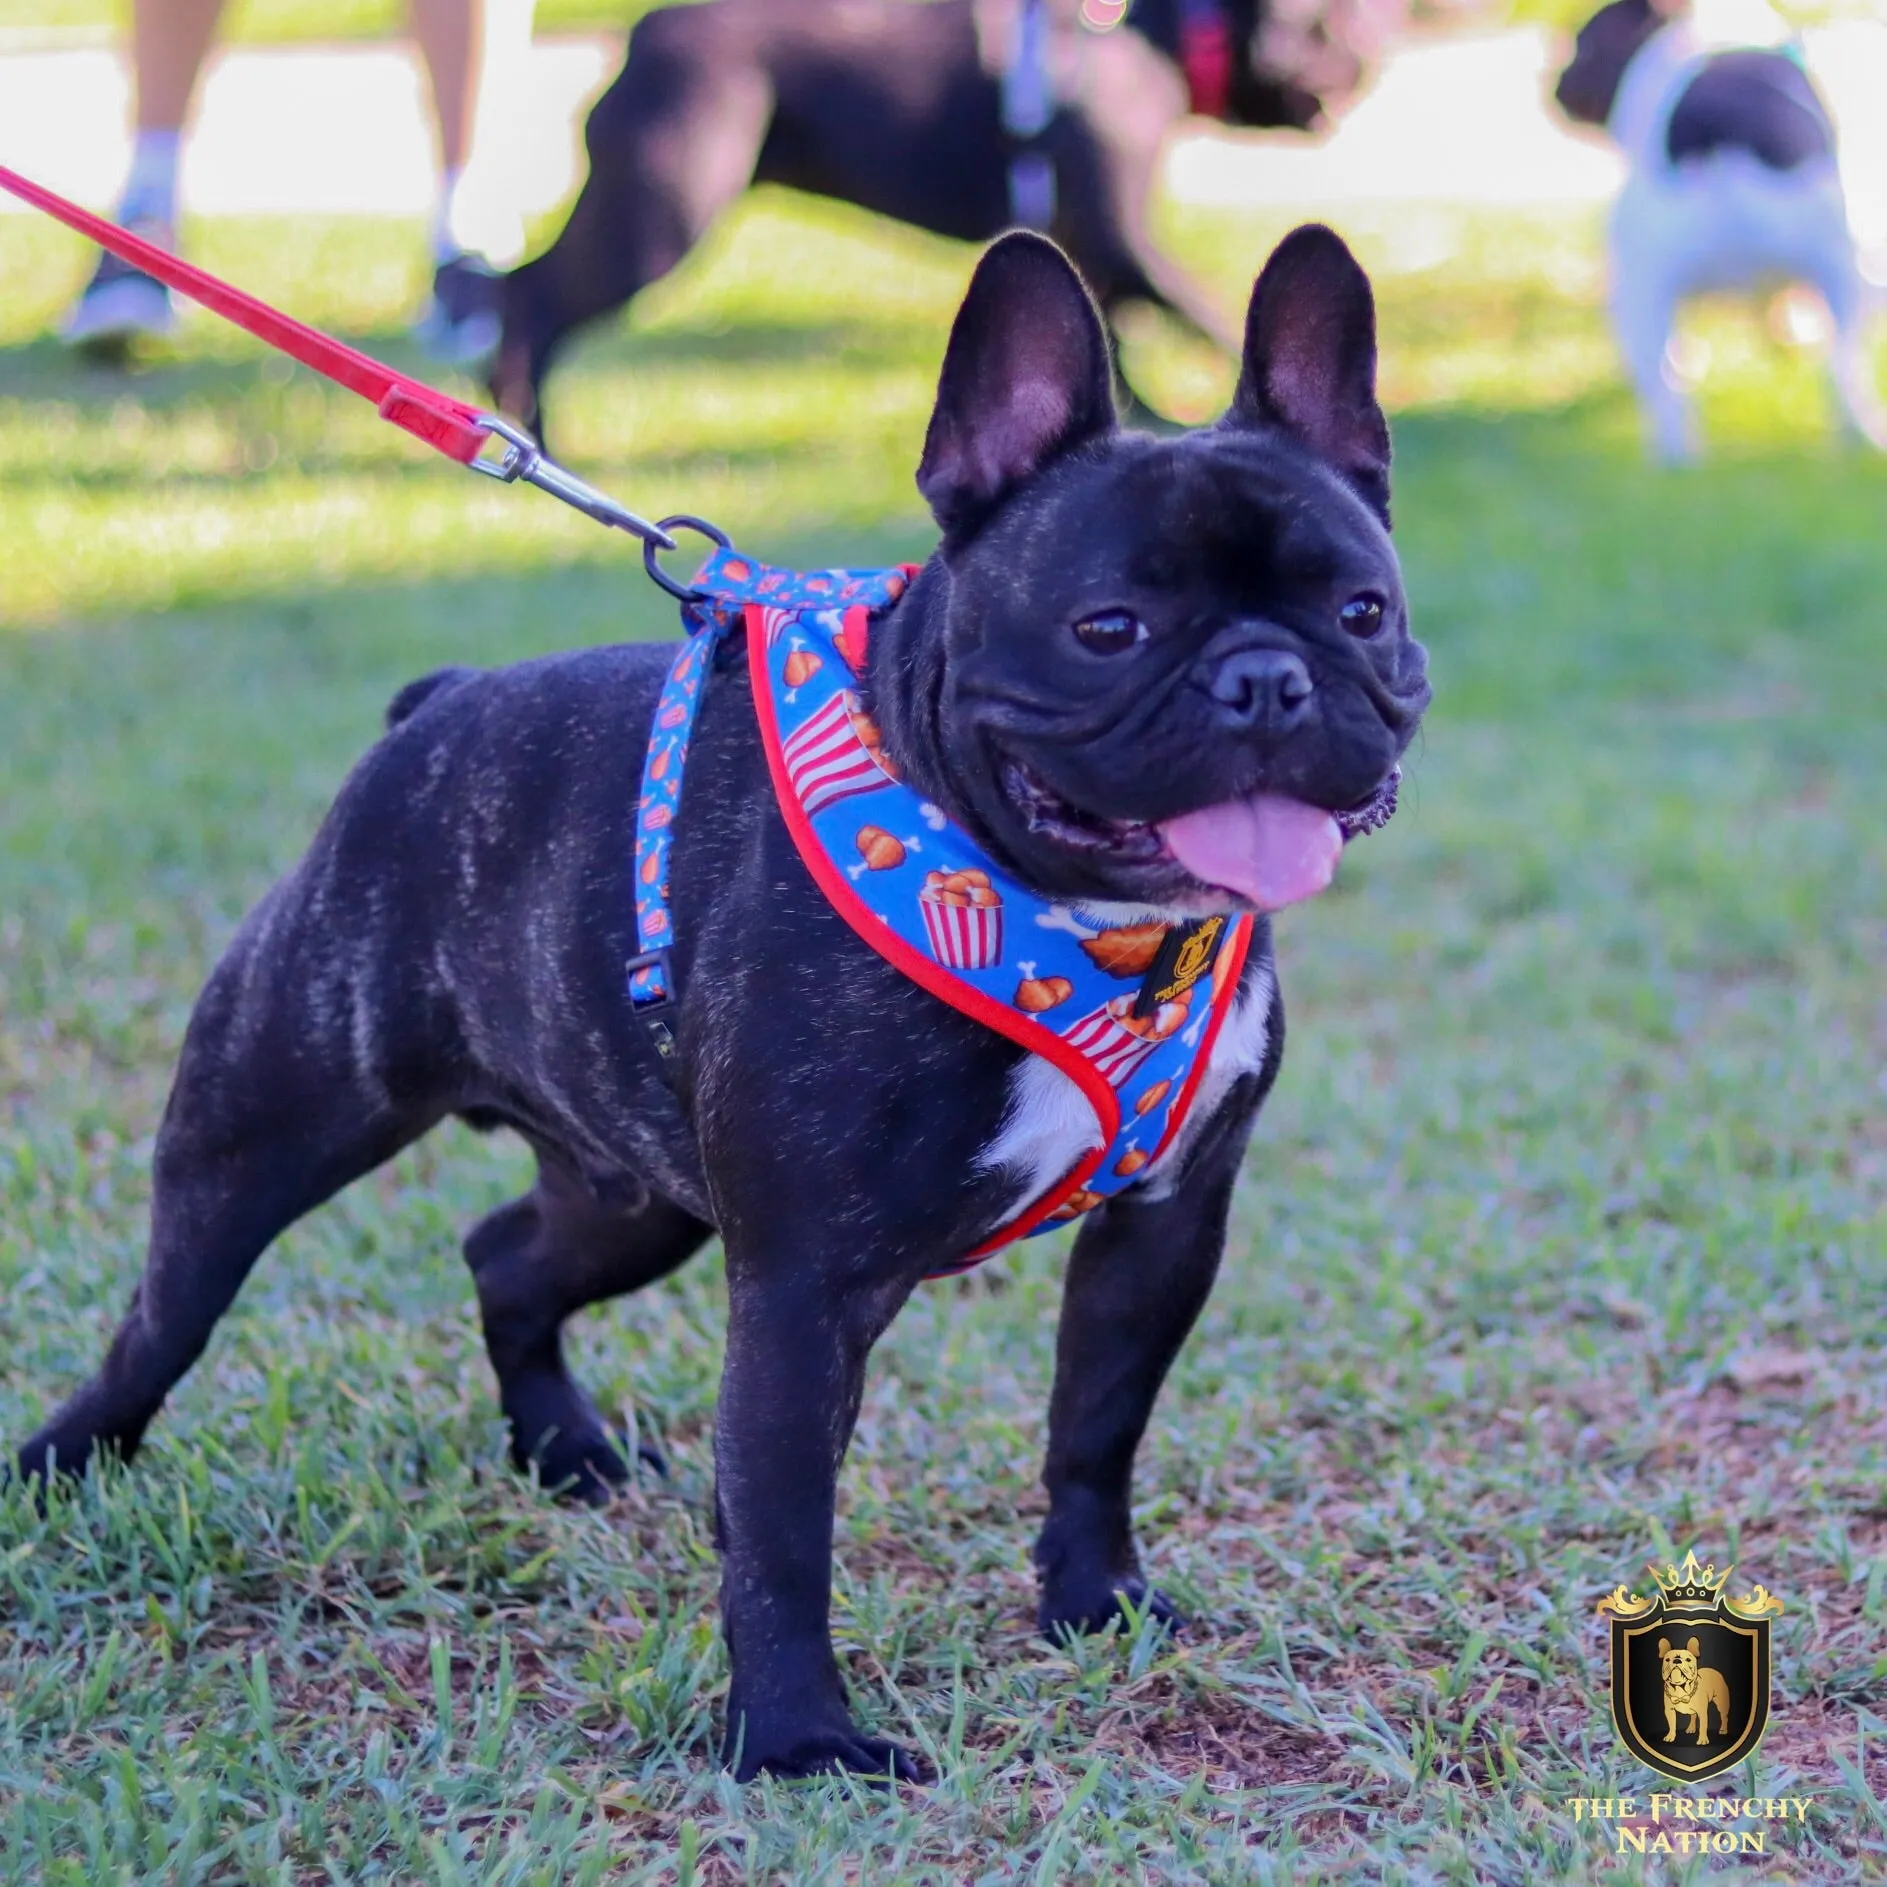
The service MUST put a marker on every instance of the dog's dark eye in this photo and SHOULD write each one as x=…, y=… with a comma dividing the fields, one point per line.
x=1112, y=632
x=1362, y=615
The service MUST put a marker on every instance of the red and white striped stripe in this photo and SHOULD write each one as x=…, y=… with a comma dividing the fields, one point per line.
x=1115, y=1050
x=826, y=760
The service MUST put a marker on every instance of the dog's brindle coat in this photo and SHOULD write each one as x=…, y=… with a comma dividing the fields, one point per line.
x=890, y=105
x=453, y=944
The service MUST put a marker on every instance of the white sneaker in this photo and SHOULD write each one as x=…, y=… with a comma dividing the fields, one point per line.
x=122, y=304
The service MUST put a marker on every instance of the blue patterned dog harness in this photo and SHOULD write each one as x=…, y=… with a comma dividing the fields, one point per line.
x=1128, y=1012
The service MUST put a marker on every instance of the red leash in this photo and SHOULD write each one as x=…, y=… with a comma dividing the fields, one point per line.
x=447, y=425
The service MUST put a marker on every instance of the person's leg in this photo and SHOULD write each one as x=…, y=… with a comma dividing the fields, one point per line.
x=451, y=36
x=471, y=231
x=169, y=42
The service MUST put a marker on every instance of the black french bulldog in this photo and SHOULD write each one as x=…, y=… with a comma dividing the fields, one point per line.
x=893, y=106
x=453, y=944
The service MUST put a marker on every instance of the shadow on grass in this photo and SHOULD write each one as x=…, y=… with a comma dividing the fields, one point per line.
x=45, y=369
x=265, y=645
x=409, y=473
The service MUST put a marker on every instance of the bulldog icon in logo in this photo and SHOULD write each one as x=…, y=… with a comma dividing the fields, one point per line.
x=1691, y=1690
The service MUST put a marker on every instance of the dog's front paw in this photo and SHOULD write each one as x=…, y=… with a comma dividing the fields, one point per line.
x=36, y=1464
x=825, y=1753
x=585, y=1466
x=1065, y=1613
x=63, y=1450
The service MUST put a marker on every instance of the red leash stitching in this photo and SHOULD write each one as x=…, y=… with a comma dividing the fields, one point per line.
x=447, y=425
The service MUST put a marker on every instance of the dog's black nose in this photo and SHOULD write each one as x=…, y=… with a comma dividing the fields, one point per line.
x=1262, y=688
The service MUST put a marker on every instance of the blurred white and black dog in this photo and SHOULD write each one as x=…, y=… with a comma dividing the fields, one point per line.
x=1732, y=184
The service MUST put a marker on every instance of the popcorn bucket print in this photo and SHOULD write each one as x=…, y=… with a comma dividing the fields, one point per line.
x=826, y=761
x=963, y=936
x=1106, y=1041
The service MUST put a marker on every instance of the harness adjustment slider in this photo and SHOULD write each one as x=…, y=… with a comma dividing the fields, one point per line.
x=651, y=986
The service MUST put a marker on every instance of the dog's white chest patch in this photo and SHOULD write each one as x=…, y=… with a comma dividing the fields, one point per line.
x=1049, y=1125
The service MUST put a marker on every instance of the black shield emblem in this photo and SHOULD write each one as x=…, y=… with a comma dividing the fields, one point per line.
x=1690, y=1672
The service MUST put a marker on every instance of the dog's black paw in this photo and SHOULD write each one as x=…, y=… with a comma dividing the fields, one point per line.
x=29, y=1465
x=57, y=1452
x=584, y=1466
x=830, y=1753
x=1064, y=1615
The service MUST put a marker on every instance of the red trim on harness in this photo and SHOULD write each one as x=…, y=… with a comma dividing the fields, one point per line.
x=1236, y=950
x=1020, y=1029
x=964, y=997
x=448, y=425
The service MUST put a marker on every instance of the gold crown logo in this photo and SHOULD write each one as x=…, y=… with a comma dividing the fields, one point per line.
x=1691, y=1584
x=1690, y=1587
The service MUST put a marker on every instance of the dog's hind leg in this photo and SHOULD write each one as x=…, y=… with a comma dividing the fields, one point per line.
x=1157, y=279
x=672, y=142
x=1643, y=310
x=1853, y=375
x=1107, y=166
x=273, y=1111
x=1849, y=367
x=535, y=1262
x=1102, y=223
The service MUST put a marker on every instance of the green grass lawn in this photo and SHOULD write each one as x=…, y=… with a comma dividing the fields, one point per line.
x=1563, y=1242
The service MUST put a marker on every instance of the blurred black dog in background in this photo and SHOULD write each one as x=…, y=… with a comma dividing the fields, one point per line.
x=962, y=117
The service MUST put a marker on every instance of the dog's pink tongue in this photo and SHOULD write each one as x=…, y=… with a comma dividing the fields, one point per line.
x=1270, y=850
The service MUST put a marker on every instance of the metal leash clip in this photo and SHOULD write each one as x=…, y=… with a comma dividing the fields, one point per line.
x=524, y=459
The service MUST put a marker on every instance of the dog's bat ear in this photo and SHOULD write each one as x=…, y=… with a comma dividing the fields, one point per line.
x=1310, y=359
x=1695, y=1648
x=1027, y=377
x=1664, y=1647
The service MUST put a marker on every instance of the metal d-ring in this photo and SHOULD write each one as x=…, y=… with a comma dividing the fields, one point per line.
x=681, y=521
